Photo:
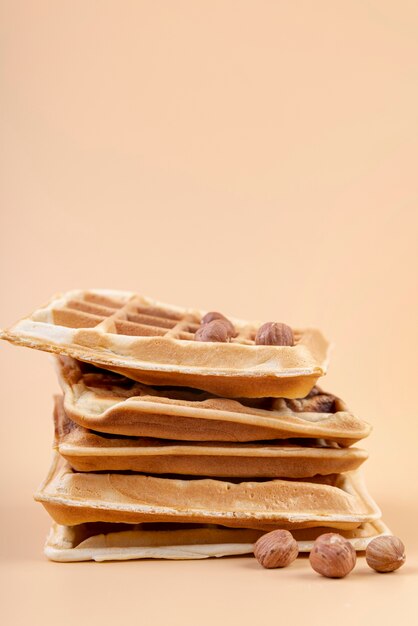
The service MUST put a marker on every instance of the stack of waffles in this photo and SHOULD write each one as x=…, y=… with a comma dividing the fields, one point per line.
x=169, y=447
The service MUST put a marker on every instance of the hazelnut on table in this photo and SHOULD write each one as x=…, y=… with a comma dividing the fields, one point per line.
x=276, y=549
x=385, y=554
x=332, y=556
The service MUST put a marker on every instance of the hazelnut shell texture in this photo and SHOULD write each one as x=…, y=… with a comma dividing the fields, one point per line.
x=216, y=331
x=332, y=556
x=274, y=334
x=276, y=549
x=214, y=315
x=385, y=554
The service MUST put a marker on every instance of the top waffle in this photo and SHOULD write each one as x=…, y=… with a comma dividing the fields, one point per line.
x=154, y=343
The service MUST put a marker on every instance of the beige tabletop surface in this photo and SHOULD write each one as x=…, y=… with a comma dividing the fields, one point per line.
x=257, y=158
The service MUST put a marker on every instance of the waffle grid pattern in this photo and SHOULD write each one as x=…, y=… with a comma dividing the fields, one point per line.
x=136, y=317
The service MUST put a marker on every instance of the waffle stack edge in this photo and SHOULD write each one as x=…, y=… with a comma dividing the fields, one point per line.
x=168, y=447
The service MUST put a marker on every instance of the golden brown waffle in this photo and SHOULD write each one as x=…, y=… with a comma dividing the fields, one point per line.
x=154, y=343
x=113, y=542
x=338, y=501
x=110, y=403
x=87, y=451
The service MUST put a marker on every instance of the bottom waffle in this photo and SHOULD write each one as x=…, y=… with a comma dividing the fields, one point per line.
x=113, y=542
x=338, y=501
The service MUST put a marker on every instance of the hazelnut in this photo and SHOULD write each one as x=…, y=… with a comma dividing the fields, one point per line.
x=216, y=330
x=332, y=555
x=276, y=549
x=214, y=315
x=274, y=334
x=385, y=554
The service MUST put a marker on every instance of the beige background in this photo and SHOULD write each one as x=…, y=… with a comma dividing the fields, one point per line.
x=259, y=158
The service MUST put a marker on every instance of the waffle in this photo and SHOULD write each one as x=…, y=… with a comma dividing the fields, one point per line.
x=111, y=403
x=154, y=343
x=87, y=451
x=338, y=501
x=103, y=542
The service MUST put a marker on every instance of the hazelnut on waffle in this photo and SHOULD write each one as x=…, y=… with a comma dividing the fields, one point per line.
x=154, y=343
x=118, y=542
x=89, y=451
x=111, y=403
x=337, y=501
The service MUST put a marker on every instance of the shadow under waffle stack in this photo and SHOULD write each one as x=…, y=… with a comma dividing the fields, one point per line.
x=154, y=343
